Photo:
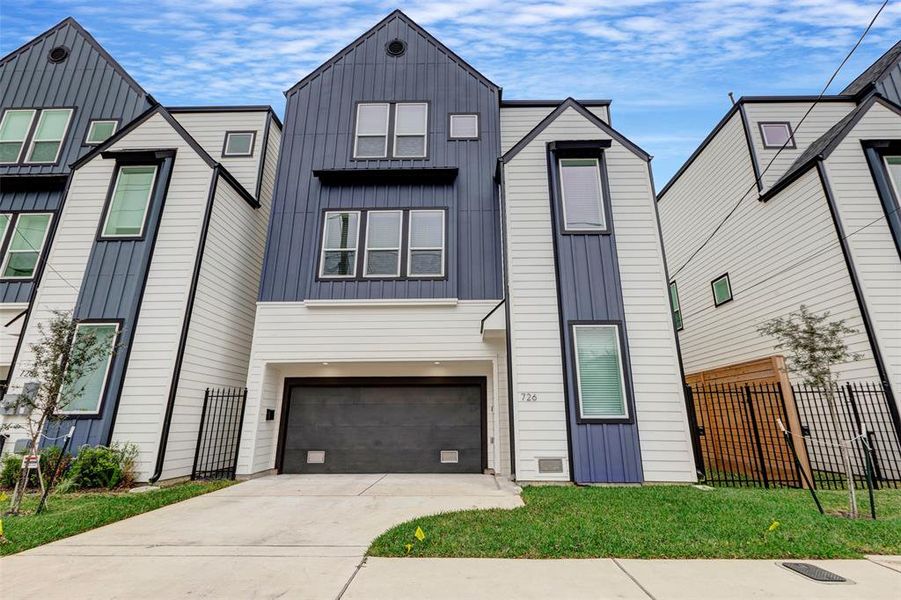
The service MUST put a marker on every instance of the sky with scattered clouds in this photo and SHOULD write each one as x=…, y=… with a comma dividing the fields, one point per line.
x=668, y=66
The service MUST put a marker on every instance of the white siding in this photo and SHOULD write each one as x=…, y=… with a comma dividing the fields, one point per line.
x=821, y=118
x=535, y=322
x=762, y=247
x=873, y=251
x=209, y=128
x=9, y=334
x=516, y=122
x=380, y=339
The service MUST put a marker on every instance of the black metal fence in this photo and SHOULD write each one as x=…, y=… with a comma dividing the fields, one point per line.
x=757, y=435
x=219, y=438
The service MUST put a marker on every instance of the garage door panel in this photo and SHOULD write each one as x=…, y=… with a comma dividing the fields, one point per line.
x=384, y=428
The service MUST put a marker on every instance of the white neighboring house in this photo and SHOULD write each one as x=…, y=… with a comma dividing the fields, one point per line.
x=819, y=226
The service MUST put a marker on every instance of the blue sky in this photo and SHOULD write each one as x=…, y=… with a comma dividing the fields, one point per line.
x=668, y=66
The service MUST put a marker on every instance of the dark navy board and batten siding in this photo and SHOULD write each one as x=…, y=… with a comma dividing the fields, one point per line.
x=112, y=290
x=319, y=135
x=590, y=289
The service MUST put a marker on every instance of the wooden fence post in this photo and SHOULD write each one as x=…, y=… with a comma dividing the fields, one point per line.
x=793, y=417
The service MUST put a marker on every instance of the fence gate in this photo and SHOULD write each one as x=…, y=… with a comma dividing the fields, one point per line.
x=216, y=456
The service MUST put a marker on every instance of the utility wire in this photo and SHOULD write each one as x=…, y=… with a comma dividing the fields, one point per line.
x=758, y=179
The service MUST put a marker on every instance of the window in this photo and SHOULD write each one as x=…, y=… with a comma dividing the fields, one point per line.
x=893, y=166
x=372, y=131
x=100, y=131
x=383, y=241
x=14, y=129
x=464, y=126
x=722, y=290
x=25, y=245
x=426, y=248
x=674, y=303
x=581, y=195
x=239, y=143
x=86, y=392
x=599, y=372
x=410, y=124
x=776, y=135
x=339, y=244
x=48, y=135
x=4, y=226
x=127, y=210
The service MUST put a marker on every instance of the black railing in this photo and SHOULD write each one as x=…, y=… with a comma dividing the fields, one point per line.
x=742, y=435
x=219, y=436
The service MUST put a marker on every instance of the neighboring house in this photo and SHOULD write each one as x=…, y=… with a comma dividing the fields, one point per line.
x=819, y=226
x=455, y=282
x=157, y=220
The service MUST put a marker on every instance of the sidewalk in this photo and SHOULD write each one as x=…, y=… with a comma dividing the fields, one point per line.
x=878, y=578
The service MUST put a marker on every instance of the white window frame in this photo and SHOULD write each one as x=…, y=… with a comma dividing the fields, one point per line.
x=357, y=134
x=400, y=238
x=87, y=137
x=425, y=131
x=451, y=134
x=106, y=372
x=229, y=134
x=11, y=217
x=9, y=252
x=324, y=249
x=895, y=185
x=790, y=143
x=622, y=371
x=605, y=227
x=112, y=198
x=24, y=140
x=61, y=140
x=443, y=247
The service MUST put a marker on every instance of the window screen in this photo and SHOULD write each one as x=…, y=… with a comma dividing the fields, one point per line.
x=128, y=206
x=383, y=240
x=410, y=121
x=426, y=254
x=464, y=126
x=339, y=244
x=599, y=372
x=583, y=202
x=372, y=131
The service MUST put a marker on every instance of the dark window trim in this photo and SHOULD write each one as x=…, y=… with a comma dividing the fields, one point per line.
x=452, y=138
x=135, y=159
x=361, y=245
x=389, y=142
x=713, y=290
x=681, y=324
x=876, y=152
x=624, y=365
x=292, y=382
x=791, y=134
x=42, y=251
x=23, y=159
x=253, y=142
x=120, y=326
x=87, y=132
x=581, y=149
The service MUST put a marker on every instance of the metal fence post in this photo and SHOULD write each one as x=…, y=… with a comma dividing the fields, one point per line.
x=760, y=458
x=206, y=400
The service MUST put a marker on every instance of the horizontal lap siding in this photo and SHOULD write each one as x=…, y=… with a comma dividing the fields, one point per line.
x=873, y=251
x=9, y=334
x=517, y=121
x=290, y=333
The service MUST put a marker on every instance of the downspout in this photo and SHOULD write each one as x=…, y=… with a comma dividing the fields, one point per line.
x=510, y=405
x=182, y=342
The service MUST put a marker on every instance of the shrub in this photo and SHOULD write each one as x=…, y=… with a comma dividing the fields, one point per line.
x=96, y=467
x=49, y=457
x=9, y=473
x=128, y=457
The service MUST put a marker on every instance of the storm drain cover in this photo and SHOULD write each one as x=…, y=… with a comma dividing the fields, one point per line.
x=814, y=572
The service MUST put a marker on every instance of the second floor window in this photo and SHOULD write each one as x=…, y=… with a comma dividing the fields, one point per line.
x=582, y=195
x=893, y=166
x=127, y=211
x=23, y=250
x=49, y=135
x=377, y=135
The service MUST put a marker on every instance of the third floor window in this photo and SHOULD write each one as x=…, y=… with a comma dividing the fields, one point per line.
x=43, y=140
x=391, y=130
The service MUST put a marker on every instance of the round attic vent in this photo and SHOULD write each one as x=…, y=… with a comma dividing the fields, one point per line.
x=396, y=47
x=58, y=54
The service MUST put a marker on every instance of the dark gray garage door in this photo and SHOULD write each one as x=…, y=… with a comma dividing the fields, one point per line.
x=390, y=427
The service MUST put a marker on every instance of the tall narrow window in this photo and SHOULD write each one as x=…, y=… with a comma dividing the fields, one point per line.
x=674, y=303
x=85, y=393
x=13, y=130
x=127, y=211
x=426, y=248
x=100, y=131
x=582, y=195
x=48, y=135
x=339, y=244
x=383, y=241
x=410, y=127
x=371, y=140
x=4, y=227
x=722, y=289
x=893, y=165
x=25, y=246
x=599, y=372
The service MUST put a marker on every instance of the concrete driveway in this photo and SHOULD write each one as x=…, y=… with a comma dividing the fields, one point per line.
x=293, y=536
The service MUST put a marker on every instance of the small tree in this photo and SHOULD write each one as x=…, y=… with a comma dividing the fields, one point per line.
x=814, y=344
x=59, y=362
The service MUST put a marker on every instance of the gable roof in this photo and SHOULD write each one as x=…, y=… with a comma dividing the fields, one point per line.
x=574, y=104
x=395, y=15
x=71, y=22
x=824, y=145
x=875, y=72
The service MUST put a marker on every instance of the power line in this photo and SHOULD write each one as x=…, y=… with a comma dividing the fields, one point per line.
x=784, y=145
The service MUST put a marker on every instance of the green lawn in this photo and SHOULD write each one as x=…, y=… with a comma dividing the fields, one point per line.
x=68, y=514
x=654, y=522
